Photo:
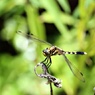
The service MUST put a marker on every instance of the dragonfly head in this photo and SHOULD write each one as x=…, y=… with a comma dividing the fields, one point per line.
x=46, y=52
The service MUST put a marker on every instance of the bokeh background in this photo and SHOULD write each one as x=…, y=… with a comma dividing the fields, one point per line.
x=68, y=24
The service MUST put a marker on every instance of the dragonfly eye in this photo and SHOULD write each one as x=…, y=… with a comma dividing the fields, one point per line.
x=46, y=52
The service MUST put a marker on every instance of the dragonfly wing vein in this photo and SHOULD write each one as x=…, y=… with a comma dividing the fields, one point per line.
x=32, y=37
x=36, y=39
x=74, y=70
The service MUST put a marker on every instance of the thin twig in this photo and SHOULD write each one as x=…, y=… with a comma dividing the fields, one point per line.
x=51, y=89
x=51, y=79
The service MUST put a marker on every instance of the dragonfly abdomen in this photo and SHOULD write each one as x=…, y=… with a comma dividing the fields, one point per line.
x=78, y=52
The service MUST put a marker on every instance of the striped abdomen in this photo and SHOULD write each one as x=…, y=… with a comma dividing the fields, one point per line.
x=78, y=52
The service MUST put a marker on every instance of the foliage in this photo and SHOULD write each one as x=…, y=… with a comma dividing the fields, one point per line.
x=18, y=55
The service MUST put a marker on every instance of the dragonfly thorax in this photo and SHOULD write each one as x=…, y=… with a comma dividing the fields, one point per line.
x=52, y=51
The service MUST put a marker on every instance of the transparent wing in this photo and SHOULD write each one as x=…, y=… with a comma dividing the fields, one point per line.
x=32, y=37
x=74, y=70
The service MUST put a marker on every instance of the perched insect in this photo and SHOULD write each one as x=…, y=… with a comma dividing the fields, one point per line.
x=54, y=50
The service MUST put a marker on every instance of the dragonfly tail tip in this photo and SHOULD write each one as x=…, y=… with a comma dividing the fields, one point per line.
x=85, y=52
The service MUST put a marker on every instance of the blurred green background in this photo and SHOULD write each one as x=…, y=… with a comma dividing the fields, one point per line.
x=68, y=24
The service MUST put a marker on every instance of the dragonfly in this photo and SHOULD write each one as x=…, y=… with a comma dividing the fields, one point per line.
x=54, y=50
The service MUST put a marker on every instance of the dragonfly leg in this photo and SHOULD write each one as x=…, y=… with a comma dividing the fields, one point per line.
x=44, y=61
x=49, y=63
